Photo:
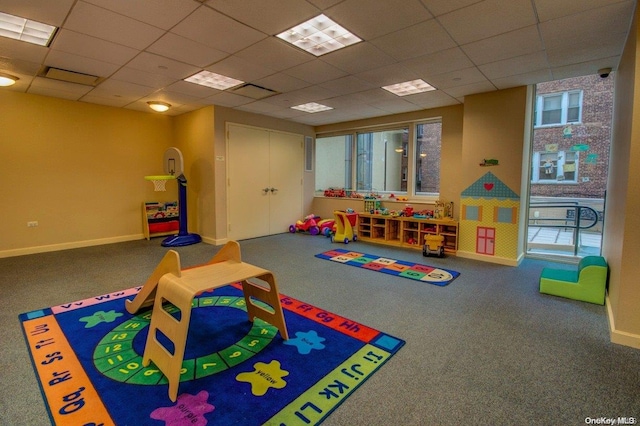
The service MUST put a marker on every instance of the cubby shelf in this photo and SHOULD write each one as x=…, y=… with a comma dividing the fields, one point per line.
x=406, y=231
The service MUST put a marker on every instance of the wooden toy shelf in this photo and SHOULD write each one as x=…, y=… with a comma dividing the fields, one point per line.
x=400, y=231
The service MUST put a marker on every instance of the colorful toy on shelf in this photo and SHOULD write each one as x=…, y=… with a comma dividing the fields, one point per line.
x=433, y=244
x=335, y=193
x=345, y=221
x=408, y=210
x=308, y=224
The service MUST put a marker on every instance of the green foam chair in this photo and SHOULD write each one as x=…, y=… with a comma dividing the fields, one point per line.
x=587, y=283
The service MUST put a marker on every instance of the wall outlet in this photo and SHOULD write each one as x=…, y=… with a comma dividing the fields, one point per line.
x=32, y=224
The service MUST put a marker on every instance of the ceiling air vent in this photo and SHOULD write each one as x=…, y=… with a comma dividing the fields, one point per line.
x=253, y=91
x=71, y=76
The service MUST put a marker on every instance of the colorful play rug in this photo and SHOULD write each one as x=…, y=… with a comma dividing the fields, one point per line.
x=88, y=359
x=400, y=268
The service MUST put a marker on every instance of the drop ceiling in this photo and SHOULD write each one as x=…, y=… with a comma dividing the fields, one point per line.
x=142, y=50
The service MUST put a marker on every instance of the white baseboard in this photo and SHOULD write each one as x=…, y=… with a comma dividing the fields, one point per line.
x=491, y=259
x=215, y=241
x=620, y=337
x=70, y=245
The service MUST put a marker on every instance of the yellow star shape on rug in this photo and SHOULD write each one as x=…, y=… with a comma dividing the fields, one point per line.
x=264, y=376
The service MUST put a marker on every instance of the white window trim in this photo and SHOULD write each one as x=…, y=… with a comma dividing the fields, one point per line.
x=535, y=170
x=565, y=108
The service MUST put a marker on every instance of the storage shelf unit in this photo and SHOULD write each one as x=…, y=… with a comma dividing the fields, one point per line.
x=406, y=231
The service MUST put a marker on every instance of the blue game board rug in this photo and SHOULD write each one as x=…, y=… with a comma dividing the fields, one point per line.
x=399, y=268
x=87, y=356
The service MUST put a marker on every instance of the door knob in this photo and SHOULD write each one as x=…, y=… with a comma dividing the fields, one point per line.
x=265, y=190
x=273, y=189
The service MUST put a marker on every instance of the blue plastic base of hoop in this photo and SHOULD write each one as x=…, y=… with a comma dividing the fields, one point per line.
x=181, y=240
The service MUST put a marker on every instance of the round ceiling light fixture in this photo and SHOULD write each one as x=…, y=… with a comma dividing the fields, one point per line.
x=159, y=106
x=7, y=79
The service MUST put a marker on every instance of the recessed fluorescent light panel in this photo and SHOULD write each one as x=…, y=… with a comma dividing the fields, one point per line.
x=216, y=81
x=319, y=35
x=312, y=107
x=25, y=30
x=409, y=88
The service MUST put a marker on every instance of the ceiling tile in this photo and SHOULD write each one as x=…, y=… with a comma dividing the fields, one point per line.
x=514, y=43
x=486, y=19
x=240, y=69
x=315, y=71
x=227, y=99
x=143, y=78
x=531, y=77
x=440, y=7
x=515, y=66
x=457, y=78
x=281, y=83
x=160, y=65
x=552, y=9
x=470, y=89
x=349, y=84
x=160, y=13
x=93, y=48
x=439, y=63
x=75, y=90
x=121, y=89
x=275, y=54
x=417, y=40
x=75, y=63
x=20, y=50
x=217, y=31
x=588, y=28
x=370, y=19
x=357, y=58
x=269, y=16
x=390, y=74
x=47, y=12
x=97, y=22
x=185, y=50
x=192, y=89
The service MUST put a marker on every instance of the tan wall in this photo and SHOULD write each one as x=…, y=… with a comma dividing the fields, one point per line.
x=76, y=168
x=621, y=244
x=495, y=125
x=194, y=136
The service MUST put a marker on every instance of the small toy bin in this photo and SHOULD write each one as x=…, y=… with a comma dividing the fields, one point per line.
x=345, y=222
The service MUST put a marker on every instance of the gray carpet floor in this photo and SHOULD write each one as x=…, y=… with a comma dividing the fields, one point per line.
x=487, y=349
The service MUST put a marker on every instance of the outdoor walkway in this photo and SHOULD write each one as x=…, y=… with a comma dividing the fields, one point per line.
x=561, y=241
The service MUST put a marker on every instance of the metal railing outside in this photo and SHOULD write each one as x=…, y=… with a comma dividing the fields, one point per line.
x=576, y=217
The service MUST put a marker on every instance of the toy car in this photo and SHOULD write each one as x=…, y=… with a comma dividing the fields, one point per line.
x=327, y=227
x=433, y=244
x=308, y=224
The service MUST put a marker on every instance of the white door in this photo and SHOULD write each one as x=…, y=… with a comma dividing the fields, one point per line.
x=264, y=187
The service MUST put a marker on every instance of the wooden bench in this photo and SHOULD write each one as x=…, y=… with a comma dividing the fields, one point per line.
x=169, y=284
x=587, y=283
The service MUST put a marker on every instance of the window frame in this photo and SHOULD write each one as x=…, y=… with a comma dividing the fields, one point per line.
x=536, y=159
x=564, y=108
x=409, y=150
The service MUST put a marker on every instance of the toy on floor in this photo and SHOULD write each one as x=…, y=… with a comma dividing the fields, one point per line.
x=327, y=227
x=587, y=283
x=433, y=244
x=308, y=224
x=174, y=168
x=345, y=221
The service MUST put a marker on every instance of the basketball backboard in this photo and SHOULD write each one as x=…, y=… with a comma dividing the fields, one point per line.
x=173, y=163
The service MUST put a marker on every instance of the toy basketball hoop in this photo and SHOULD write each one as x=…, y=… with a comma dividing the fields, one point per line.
x=159, y=181
x=174, y=169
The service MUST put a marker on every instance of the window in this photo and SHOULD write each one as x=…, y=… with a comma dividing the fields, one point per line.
x=427, y=164
x=555, y=167
x=404, y=159
x=559, y=108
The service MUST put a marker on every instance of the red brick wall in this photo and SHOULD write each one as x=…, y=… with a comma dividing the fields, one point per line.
x=594, y=131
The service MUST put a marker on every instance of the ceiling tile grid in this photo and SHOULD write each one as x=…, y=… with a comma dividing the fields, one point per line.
x=143, y=50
